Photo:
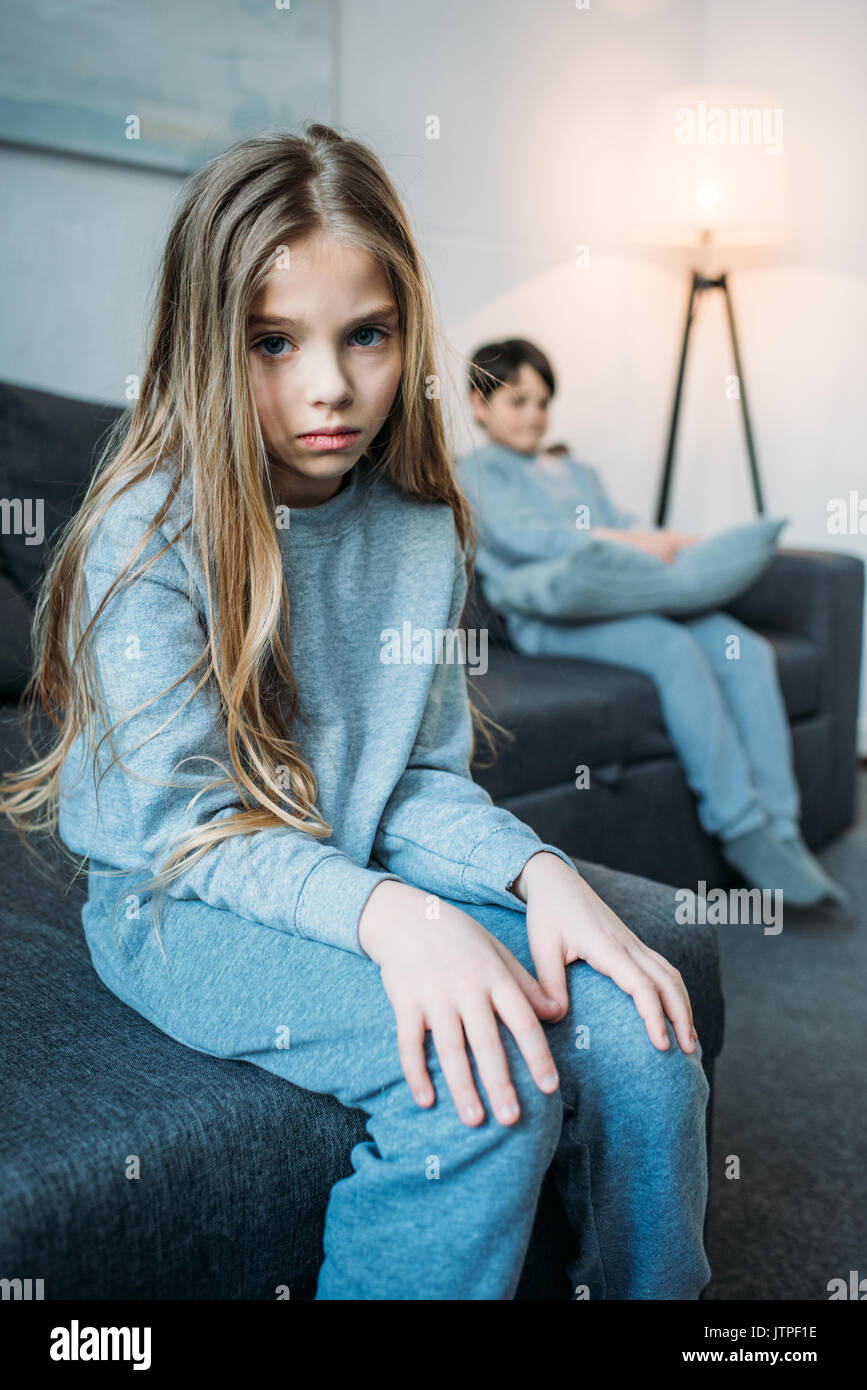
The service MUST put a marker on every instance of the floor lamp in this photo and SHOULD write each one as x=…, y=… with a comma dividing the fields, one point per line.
x=700, y=285
x=714, y=177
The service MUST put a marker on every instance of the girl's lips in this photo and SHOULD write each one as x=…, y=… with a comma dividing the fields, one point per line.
x=329, y=443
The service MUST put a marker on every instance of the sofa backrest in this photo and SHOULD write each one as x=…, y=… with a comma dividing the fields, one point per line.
x=47, y=451
x=478, y=613
x=48, y=447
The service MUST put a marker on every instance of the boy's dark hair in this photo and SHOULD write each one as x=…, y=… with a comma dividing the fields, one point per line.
x=498, y=364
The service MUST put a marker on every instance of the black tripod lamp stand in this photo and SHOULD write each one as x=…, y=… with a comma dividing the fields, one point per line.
x=700, y=285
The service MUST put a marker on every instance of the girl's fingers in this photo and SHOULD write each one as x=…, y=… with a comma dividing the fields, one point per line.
x=657, y=990
x=448, y=1036
x=673, y=993
x=640, y=952
x=550, y=967
x=537, y=996
x=649, y=1006
x=516, y=1012
x=635, y=981
x=410, y=1045
x=483, y=1036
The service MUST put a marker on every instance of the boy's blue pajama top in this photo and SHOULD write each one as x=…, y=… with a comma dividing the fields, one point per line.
x=258, y=958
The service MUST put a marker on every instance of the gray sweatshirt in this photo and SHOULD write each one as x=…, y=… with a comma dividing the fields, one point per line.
x=388, y=740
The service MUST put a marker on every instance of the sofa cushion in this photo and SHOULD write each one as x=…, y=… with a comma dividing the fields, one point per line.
x=235, y=1164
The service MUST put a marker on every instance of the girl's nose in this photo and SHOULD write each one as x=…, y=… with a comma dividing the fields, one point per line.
x=328, y=384
x=331, y=400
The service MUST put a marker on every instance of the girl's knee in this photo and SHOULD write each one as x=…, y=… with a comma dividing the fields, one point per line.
x=611, y=1043
x=670, y=1082
x=541, y=1112
x=530, y=1140
x=528, y=1146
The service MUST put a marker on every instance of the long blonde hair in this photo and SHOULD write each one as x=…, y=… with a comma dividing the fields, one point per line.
x=195, y=418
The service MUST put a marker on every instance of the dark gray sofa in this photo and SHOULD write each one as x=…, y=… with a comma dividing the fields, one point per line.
x=237, y=1164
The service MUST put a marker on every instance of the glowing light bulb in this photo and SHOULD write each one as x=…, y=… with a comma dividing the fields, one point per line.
x=707, y=195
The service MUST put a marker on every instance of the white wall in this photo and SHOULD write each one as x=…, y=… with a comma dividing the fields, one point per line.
x=805, y=323
x=541, y=109
x=78, y=243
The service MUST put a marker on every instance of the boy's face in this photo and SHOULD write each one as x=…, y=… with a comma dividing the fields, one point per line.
x=516, y=414
x=324, y=351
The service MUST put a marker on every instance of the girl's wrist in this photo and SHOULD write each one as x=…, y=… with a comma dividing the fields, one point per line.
x=541, y=868
x=387, y=904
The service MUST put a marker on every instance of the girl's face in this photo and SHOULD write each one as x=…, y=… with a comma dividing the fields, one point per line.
x=324, y=351
x=515, y=414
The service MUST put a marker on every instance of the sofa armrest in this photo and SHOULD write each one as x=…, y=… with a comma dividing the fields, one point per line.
x=819, y=595
x=807, y=593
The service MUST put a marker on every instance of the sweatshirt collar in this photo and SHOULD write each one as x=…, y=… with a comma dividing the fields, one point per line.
x=328, y=518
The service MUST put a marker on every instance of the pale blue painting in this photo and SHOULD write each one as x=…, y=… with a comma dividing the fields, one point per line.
x=161, y=83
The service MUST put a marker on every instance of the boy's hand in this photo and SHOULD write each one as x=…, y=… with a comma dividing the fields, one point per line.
x=663, y=544
x=567, y=921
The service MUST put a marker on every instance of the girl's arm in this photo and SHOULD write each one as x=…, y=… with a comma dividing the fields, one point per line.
x=440, y=830
x=145, y=641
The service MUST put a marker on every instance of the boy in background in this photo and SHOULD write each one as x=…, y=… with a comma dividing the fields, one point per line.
x=726, y=720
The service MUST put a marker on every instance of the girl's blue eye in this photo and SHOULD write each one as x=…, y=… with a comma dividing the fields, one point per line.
x=265, y=345
x=272, y=338
x=368, y=329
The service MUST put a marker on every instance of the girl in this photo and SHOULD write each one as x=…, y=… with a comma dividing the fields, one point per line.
x=344, y=903
x=725, y=718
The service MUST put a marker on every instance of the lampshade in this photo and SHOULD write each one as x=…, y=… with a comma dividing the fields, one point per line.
x=714, y=170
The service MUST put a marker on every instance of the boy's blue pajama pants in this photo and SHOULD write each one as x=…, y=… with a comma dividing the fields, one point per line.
x=436, y=1209
x=724, y=715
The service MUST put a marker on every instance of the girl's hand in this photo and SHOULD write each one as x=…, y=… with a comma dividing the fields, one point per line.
x=567, y=921
x=453, y=976
x=663, y=544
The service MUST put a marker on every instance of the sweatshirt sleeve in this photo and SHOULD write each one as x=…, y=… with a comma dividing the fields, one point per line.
x=144, y=642
x=440, y=830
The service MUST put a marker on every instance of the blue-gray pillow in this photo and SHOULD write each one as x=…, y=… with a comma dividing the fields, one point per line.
x=605, y=579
